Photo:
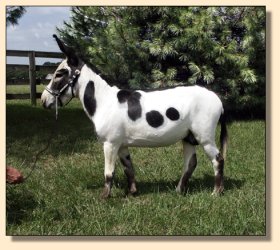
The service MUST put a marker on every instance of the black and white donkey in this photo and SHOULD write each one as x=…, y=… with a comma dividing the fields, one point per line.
x=137, y=118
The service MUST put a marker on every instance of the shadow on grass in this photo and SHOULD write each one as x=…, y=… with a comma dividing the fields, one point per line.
x=207, y=182
x=196, y=185
x=20, y=203
x=29, y=127
x=30, y=119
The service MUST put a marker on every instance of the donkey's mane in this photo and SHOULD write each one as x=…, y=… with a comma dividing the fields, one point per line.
x=124, y=85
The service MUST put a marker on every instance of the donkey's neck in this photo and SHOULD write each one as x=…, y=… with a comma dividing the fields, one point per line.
x=87, y=75
x=93, y=91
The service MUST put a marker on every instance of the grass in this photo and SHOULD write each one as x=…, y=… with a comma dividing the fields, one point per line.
x=62, y=196
x=21, y=89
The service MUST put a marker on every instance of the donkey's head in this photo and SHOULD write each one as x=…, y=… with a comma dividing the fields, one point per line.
x=60, y=90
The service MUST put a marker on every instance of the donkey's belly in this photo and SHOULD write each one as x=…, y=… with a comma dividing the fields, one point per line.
x=155, y=139
x=150, y=143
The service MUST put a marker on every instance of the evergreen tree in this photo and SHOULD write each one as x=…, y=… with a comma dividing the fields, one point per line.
x=13, y=14
x=221, y=48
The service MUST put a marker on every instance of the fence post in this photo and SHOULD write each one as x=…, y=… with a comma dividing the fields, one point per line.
x=32, y=76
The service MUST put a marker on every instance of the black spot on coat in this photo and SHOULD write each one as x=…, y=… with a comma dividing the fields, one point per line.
x=123, y=95
x=154, y=118
x=172, y=114
x=133, y=102
x=89, y=99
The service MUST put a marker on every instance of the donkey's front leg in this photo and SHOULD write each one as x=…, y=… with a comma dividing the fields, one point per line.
x=110, y=153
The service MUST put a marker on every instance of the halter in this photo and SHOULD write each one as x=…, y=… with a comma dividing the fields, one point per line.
x=58, y=93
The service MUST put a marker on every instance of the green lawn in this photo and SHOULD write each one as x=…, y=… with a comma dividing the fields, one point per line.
x=62, y=197
x=23, y=89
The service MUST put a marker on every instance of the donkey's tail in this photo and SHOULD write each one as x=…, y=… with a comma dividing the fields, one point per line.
x=223, y=135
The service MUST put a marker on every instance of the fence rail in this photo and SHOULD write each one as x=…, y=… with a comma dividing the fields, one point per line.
x=21, y=96
x=26, y=67
x=32, y=68
x=26, y=82
x=25, y=53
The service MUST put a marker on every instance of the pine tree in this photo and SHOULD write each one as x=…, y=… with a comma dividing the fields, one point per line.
x=221, y=48
x=13, y=14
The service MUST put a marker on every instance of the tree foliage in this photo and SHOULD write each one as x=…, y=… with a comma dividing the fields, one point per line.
x=222, y=48
x=13, y=14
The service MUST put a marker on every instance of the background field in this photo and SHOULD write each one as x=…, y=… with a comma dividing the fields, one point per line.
x=62, y=197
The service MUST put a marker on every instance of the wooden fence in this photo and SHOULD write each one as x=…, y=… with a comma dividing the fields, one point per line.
x=32, y=68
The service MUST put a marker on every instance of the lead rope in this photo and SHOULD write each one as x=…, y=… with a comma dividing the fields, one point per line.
x=74, y=78
x=56, y=109
x=48, y=142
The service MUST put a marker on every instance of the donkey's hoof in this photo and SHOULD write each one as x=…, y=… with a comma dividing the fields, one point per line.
x=131, y=193
x=218, y=191
x=133, y=189
x=180, y=189
x=105, y=193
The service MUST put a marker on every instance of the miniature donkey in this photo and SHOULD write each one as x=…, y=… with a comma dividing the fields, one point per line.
x=136, y=118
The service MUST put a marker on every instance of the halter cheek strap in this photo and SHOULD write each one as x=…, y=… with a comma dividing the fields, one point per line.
x=57, y=93
x=70, y=83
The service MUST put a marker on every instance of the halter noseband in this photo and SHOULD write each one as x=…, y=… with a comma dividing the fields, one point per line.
x=57, y=93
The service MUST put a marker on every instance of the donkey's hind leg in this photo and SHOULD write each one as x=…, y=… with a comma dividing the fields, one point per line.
x=218, y=165
x=190, y=163
x=128, y=169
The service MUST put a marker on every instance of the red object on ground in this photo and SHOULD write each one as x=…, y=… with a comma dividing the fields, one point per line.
x=13, y=176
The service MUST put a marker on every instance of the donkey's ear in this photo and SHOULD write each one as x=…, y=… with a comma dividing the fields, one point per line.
x=72, y=58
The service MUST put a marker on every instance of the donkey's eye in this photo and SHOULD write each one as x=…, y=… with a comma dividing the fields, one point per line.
x=60, y=73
